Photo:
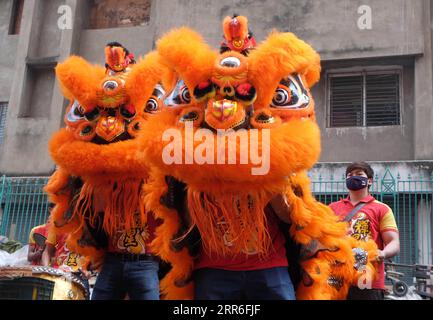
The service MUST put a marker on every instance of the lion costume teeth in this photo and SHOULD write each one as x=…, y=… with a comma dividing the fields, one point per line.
x=271, y=87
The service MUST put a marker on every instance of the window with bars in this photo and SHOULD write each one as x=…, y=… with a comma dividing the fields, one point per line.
x=3, y=114
x=364, y=99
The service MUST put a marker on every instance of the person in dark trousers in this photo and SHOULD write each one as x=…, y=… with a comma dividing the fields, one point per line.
x=129, y=268
x=368, y=218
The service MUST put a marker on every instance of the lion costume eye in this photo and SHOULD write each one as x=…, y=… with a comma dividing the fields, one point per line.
x=110, y=85
x=290, y=94
x=185, y=95
x=179, y=96
x=282, y=97
x=152, y=104
x=76, y=112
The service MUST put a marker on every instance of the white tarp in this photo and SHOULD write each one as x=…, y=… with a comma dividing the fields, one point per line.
x=18, y=258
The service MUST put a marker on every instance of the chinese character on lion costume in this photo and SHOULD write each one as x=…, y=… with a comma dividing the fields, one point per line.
x=253, y=92
x=97, y=187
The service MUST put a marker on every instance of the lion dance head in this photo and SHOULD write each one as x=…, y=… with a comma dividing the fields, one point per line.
x=239, y=128
x=95, y=153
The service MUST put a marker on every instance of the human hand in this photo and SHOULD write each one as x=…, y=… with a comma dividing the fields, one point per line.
x=281, y=207
x=380, y=255
x=38, y=253
x=86, y=274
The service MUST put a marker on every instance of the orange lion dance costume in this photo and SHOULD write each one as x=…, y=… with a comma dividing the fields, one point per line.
x=95, y=153
x=265, y=89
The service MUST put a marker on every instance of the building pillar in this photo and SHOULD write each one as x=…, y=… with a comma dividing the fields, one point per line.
x=423, y=132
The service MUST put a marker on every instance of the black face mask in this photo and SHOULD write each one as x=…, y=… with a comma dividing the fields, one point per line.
x=356, y=183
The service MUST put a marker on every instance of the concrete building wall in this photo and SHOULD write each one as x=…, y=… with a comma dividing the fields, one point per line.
x=401, y=34
x=35, y=103
x=45, y=35
x=140, y=40
x=330, y=26
x=8, y=43
x=423, y=90
x=368, y=143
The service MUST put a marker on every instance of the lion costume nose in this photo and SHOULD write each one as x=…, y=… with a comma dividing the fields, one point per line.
x=224, y=109
x=224, y=114
x=110, y=127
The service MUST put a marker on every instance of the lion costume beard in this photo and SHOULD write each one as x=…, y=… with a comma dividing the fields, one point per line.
x=282, y=66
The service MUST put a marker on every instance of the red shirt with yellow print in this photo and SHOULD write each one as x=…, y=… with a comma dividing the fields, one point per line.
x=136, y=240
x=64, y=259
x=368, y=223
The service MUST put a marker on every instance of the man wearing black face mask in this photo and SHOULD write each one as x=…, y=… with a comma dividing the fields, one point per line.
x=368, y=219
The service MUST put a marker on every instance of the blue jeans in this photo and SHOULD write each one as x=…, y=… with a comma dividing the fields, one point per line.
x=138, y=279
x=266, y=284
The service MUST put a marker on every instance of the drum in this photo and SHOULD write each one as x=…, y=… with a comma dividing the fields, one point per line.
x=40, y=283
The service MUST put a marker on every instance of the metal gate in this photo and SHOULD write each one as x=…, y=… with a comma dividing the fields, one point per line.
x=23, y=205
